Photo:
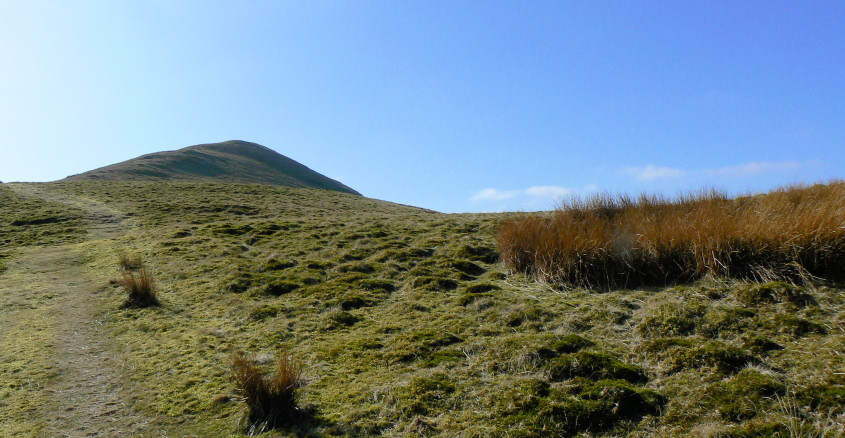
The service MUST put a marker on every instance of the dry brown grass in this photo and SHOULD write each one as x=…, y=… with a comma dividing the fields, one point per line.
x=271, y=400
x=130, y=262
x=795, y=233
x=140, y=288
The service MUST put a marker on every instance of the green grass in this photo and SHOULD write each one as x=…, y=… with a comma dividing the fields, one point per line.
x=26, y=221
x=406, y=323
x=231, y=161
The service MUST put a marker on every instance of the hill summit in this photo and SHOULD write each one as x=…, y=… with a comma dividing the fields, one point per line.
x=232, y=161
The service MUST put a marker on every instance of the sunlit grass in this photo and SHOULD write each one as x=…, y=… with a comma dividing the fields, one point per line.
x=405, y=323
x=794, y=234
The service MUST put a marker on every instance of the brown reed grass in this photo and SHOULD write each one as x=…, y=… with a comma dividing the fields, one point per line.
x=271, y=400
x=794, y=233
x=140, y=288
x=129, y=262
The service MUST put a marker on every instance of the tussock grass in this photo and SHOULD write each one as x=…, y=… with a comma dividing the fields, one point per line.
x=794, y=234
x=272, y=401
x=130, y=262
x=140, y=288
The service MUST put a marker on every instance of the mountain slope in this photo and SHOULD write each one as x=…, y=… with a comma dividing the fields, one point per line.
x=231, y=161
x=404, y=321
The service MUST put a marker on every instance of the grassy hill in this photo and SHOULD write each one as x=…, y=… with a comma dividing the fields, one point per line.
x=231, y=161
x=404, y=320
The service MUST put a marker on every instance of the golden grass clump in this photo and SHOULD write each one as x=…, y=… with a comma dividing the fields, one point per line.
x=271, y=400
x=140, y=288
x=795, y=233
x=129, y=262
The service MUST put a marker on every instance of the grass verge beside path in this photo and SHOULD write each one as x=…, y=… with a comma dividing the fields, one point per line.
x=59, y=375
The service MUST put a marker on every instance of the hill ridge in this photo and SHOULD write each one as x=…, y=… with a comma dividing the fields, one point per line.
x=235, y=161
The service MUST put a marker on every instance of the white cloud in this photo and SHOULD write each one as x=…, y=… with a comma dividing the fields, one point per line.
x=530, y=197
x=494, y=195
x=755, y=168
x=552, y=192
x=652, y=172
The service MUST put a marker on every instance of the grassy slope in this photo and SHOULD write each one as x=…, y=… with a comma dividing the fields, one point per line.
x=231, y=161
x=31, y=230
x=408, y=326
x=26, y=221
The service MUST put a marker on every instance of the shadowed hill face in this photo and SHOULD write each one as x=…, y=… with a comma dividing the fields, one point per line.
x=231, y=161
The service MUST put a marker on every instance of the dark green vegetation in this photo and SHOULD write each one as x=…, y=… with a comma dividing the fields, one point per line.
x=231, y=161
x=406, y=324
x=793, y=234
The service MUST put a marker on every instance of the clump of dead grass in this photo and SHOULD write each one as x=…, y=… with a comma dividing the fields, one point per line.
x=272, y=400
x=140, y=288
x=794, y=234
x=130, y=262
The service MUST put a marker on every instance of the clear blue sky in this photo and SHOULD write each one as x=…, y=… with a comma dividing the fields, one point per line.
x=449, y=105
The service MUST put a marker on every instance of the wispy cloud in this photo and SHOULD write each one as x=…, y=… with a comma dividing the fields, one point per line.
x=529, y=197
x=653, y=172
x=552, y=192
x=757, y=168
x=494, y=195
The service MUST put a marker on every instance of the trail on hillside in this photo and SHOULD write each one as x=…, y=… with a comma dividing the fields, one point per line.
x=55, y=288
x=104, y=222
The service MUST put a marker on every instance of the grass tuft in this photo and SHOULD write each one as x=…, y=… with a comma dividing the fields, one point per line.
x=140, y=288
x=793, y=234
x=271, y=400
x=129, y=262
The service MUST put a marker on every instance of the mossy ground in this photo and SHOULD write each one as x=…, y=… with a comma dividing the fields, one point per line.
x=407, y=325
x=31, y=221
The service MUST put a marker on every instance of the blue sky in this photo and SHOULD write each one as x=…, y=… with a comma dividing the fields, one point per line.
x=449, y=105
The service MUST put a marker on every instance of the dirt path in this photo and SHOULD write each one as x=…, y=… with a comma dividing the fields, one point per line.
x=53, y=292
